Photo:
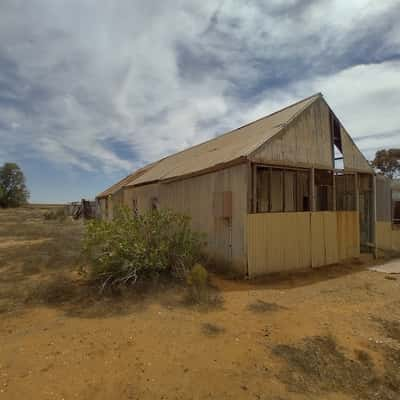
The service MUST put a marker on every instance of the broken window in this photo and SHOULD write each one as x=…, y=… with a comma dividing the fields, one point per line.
x=276, y=190
x=324, y=190
x=336, y=141
x=303, y=191
x=282, y=190
x=345, y=192
x=290, y=189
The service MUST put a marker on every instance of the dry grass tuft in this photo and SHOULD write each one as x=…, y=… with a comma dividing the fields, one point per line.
x=58, y=290
x=209, y=329
x=391, y=328
x=36, y=258
x=317, y=365
x=261, y=306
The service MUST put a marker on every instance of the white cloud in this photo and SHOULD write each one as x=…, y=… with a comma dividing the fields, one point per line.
x=156, y=77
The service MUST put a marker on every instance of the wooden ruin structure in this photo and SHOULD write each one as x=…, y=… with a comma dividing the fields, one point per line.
x=288, y=191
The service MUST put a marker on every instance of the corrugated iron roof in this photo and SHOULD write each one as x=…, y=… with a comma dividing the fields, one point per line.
x=125, y=181
x=223, y=149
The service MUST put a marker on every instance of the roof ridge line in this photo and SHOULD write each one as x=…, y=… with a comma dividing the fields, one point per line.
x=319, y=94
x=285, y=124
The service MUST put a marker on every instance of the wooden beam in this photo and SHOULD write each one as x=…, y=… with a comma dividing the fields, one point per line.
x=357, y=183
x=312, y=189
x=373, y=223
x=249, y=188
x=334, y=190
x=254, y=174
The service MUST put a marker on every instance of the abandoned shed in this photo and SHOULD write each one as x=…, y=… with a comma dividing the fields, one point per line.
x=288, y=191
x=387, y=216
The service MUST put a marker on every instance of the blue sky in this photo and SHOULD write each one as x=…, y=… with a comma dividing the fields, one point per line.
x=91, y=90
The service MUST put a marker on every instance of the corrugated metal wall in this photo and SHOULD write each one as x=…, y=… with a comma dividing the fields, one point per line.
x=197, y=197
x=305, y=142
x=383, y=199
x=387, y=238
x=288, y=241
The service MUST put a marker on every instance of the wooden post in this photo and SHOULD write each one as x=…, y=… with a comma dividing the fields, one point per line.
x=249, y=188
x=334, y=190
x=269, y=189
x=254, y=180
x=312, y=189
x=357, y=194
x=373, y=223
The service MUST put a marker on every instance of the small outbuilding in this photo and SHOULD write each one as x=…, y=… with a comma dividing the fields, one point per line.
x=387, y=216
x=288, y=191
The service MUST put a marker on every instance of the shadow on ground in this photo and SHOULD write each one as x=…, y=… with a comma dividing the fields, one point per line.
x=318, y=365
x=288, y=280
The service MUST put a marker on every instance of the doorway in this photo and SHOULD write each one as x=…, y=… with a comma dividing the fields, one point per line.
x=366, y=212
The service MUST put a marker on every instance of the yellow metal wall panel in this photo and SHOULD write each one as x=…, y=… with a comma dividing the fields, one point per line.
x=396, y=239
x=304, y=240
x=330, y=238
x=278, y=242
x=383, y=237
x=387, y=238
x=317, y=239
x=288, y=241
x=348, y=234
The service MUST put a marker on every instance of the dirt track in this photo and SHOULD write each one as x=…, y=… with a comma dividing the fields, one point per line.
x=331, y=334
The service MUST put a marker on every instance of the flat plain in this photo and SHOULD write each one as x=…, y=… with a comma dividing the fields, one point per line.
x=331, y=333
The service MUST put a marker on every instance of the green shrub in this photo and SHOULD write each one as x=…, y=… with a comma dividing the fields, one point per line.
x=131, y=248
x=197, y=280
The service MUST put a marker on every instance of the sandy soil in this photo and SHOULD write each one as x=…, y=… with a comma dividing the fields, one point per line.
x=332, y=333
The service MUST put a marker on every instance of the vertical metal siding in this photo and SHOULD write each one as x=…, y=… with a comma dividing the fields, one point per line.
x=288, y=241
x=387, y=238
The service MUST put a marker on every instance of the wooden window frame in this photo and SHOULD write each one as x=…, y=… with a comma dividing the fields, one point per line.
x=270, y=168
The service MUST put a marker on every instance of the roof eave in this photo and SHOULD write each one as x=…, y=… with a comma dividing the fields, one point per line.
x=214, y=168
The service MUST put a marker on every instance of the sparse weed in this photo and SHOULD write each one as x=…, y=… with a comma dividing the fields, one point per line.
x=197, y=279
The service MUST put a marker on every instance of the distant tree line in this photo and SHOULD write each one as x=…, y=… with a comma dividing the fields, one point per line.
x=13, y=190
x=387, y=162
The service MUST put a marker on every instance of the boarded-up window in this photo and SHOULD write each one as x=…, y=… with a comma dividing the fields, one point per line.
x=222, y=204
x=276, y=190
